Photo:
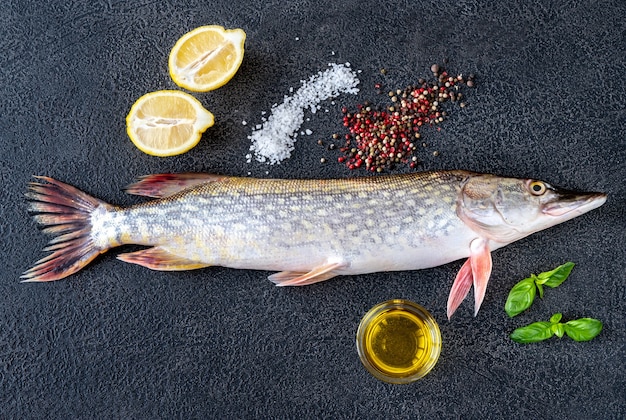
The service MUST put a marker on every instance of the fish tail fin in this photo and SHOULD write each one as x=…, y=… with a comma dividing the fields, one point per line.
x=65, y=213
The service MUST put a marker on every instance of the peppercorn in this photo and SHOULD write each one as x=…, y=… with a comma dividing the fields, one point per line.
x=380, y=139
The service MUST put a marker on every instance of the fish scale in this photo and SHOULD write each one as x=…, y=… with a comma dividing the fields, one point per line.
x=307, y=230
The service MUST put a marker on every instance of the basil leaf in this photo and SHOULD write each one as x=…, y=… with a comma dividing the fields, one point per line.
x=557, y=276
x=556, y=318
x=520, y=297
x=583, y=329
x=558, y=329
x=540, y=288
x=533, y=333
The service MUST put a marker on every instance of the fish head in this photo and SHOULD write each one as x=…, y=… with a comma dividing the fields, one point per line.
x=507, y=209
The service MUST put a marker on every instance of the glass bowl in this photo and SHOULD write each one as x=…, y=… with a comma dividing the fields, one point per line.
x=398, y=341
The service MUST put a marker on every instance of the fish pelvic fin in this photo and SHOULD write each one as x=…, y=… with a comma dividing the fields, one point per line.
x=160, y=259
x=165, y=185
x=294, y=278
x=64, y=212
x=475, y=271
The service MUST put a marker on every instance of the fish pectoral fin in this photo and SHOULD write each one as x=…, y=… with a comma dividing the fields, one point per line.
x=460, y=287
x=295, y=278
x=481, y=270
x=165, y=185
x=160, y=259
x=476, y=270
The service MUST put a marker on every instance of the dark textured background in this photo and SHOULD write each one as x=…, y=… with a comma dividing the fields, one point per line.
x=120, y=341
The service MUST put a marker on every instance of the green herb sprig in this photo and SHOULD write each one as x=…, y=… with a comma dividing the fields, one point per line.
x=522, y=295
x=582, y=329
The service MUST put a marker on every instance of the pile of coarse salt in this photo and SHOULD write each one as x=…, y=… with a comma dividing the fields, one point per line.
x=273, y=141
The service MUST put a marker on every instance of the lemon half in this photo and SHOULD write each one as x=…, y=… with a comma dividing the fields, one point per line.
x=167, y=122
x=207, y=57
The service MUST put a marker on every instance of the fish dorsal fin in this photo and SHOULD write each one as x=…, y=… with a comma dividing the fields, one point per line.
x=294, y=278
x=165, y=185
x=160, y=259
x=475, y=271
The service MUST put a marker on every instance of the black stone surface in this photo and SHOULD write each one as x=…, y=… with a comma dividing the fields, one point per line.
x=120, y=341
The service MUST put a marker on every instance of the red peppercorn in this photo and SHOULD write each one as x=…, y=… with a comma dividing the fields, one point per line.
x=382, y=138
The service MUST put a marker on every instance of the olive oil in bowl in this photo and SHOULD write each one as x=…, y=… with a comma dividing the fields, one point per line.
x=398, y=341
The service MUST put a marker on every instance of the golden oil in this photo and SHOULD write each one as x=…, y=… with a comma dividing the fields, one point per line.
x=398, y=341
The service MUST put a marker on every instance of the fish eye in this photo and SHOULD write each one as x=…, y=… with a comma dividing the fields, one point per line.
x=537, y=188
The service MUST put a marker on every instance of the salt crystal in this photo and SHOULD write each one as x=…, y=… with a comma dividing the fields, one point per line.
x=244, y=122
x=273, y=141
x=308, y=132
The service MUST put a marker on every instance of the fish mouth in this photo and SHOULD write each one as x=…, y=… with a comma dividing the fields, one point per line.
x=569, y=205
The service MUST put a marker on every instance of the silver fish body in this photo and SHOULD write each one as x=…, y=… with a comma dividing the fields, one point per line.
x=308, y=230
x=371, y=224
